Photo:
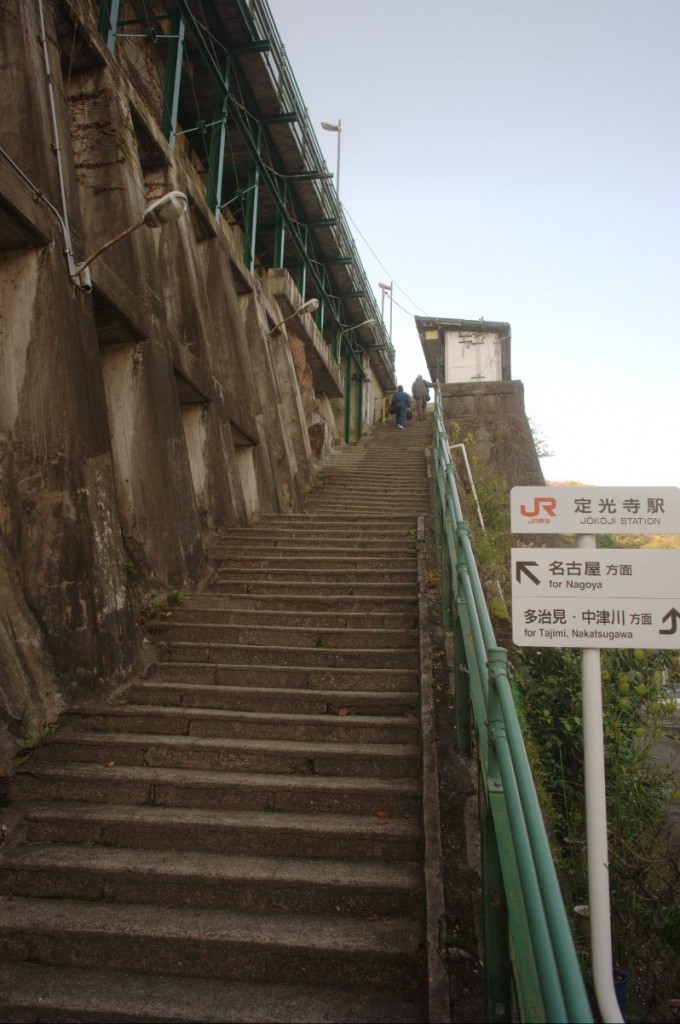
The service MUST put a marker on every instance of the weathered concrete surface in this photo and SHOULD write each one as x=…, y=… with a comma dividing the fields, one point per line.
x=492, y=422
x=140, y=420
x=30, y=698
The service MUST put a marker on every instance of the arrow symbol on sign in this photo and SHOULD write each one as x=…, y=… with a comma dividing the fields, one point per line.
x=673, y=615
x=523, y=567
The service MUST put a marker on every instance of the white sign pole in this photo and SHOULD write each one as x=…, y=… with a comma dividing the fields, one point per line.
x=597, y=846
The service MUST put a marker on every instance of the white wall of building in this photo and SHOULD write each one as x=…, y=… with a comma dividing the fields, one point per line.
x=472, y=356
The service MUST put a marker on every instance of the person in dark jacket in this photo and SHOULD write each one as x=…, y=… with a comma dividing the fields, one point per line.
x=401, y=403
x=421, y=394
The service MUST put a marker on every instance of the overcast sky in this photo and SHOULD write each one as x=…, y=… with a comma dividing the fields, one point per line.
x=518, y=160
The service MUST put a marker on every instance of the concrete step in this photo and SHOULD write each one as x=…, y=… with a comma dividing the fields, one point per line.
x=292, y=604
x=219, y=610
x=319, y=541
x=212, y=722
x=311, y=679
x=254, y=884
x=264, y=776
x=353, y=535
x=165, y=689
x=171, y=630
x=349, y=523
x=211, y=943
x=317, y=758
x=247, y=582
x=342, y=525
x=344, y=502
x=324, y=578
x=166, y=787
x=318, y=561
x=350, y=837
x=367, y=499
x=34, y=992
x=299, y=657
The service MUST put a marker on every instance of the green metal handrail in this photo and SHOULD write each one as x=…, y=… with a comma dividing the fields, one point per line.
x=526, y=924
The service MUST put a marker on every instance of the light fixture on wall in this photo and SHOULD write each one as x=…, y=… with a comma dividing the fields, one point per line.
x=162, y=211
x=386, y=288
x=355, y=327
x=310, y=306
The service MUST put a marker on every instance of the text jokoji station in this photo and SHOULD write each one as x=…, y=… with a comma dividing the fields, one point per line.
x=582, y=597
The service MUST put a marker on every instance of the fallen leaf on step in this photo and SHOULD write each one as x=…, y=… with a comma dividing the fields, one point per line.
x=343, y=711
x=109, y=764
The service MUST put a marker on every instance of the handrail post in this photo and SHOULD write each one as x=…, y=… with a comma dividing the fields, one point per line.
x=461, y=690
x=497, y=972
x=530, y=960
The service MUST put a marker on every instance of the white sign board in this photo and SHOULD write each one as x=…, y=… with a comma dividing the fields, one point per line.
x=595, y=510
x=574, y=597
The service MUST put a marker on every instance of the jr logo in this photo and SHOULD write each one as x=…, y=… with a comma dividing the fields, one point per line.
x=541, y=506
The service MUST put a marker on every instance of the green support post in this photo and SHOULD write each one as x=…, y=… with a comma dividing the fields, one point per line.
x=250, y=234
x=279, y=258
x=497, y=972
x=302, y=265
x=360, y=399
x=108, y=21
x=173, y=80
x=218, y=137
x=461, y=685
x=348, y=397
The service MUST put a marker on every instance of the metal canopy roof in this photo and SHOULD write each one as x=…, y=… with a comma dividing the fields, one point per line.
x=267, y=125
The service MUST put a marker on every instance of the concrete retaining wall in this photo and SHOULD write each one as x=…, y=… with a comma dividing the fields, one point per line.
x=141, y=419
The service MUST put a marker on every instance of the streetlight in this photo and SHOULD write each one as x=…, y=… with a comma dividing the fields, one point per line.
x=162, y=211
x=310, y=306
x=354, y=327
x=330, y=126
x=386, y=288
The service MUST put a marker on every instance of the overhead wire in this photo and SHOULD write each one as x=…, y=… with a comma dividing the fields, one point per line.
x=373, y=253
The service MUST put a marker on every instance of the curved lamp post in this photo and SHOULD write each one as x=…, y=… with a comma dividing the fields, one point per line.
x=331, y=126
x=386, y=288
x=162, y=211
x=354, y=327
x=358, y=359
x=310, y=306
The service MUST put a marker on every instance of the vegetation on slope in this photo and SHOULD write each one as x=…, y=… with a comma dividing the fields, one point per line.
x=644, y=872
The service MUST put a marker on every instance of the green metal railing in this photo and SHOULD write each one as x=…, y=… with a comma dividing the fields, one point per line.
x=530, y=958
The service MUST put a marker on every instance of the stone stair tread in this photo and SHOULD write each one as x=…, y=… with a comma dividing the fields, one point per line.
x=36, y=992
x=225, y=614
x=336, y=696
x=337, y=545
x=167, y=689
x=336, y=935
x=193, y=855
x=368, y=679
x=166, y=865
x=350, y=825
x=302, y=634
x=293, y=588
x=219, y=714
x=309, y=599
x=332, y=556
x=221, y=780
x=304, y=748
x=216, y=645
x=215, y=653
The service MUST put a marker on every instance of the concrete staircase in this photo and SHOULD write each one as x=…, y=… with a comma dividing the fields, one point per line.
x=239, y=836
